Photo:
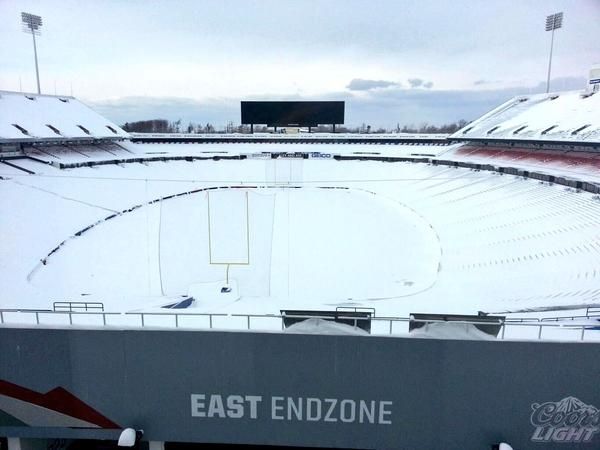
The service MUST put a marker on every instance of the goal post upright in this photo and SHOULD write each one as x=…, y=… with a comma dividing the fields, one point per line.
x=210, y=234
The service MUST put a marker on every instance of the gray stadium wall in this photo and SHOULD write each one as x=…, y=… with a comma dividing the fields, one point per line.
x=373, y=392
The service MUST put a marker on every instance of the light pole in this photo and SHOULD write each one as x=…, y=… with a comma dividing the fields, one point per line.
x=553, y=22
x=32, y=24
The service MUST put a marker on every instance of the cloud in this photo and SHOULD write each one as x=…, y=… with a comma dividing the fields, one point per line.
x=415, y=82
x=359, y=84
x=419, y=82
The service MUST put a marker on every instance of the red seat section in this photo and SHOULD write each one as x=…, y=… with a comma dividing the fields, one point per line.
x=562, y=158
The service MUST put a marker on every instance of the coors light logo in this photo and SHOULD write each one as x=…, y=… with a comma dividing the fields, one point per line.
x=569, y=420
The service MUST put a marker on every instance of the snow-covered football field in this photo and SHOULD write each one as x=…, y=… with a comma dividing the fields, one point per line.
x=399, y=237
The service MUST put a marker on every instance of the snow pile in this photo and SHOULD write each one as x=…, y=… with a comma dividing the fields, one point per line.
x=565, y=116
x=30, y=117
x=450, y=330
x=321, y=326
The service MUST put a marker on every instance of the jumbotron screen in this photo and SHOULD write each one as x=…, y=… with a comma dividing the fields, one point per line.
x=302, y=114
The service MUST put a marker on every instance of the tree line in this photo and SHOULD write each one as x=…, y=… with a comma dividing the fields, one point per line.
x=165, y=126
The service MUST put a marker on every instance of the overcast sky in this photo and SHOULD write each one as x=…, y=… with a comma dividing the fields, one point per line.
x=392, y=61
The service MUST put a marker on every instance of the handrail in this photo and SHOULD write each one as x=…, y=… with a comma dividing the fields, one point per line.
x=72, y=306
x=592, y=311
x=557, y=318
x=539, y=324
x=177, y=316
x=70, y=314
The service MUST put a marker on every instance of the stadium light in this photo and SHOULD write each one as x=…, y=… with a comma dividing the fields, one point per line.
x=553, y=22
x=32, y=24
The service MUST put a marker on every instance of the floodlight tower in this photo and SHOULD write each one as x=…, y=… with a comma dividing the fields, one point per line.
x=553, y=22
x=32, y=24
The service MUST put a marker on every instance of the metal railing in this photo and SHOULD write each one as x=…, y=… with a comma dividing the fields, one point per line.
x=591, y=312
x=514, y=328
x=78, y=306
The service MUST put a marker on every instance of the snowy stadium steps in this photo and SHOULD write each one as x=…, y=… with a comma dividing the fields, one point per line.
x=574, y=157
x=490, y=225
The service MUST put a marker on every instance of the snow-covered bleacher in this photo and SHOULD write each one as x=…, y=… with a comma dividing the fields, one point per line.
x=65, y=153
x=581, y=163
x=50, y=118
x=556, y=117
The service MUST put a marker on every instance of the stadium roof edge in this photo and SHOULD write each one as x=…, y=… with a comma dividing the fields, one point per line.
x=34, y=94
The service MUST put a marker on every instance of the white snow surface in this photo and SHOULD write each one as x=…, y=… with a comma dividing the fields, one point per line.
x=531, y=116
x=321, y=326
x=399, y=237
x=449, y=330
x=34, y=112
